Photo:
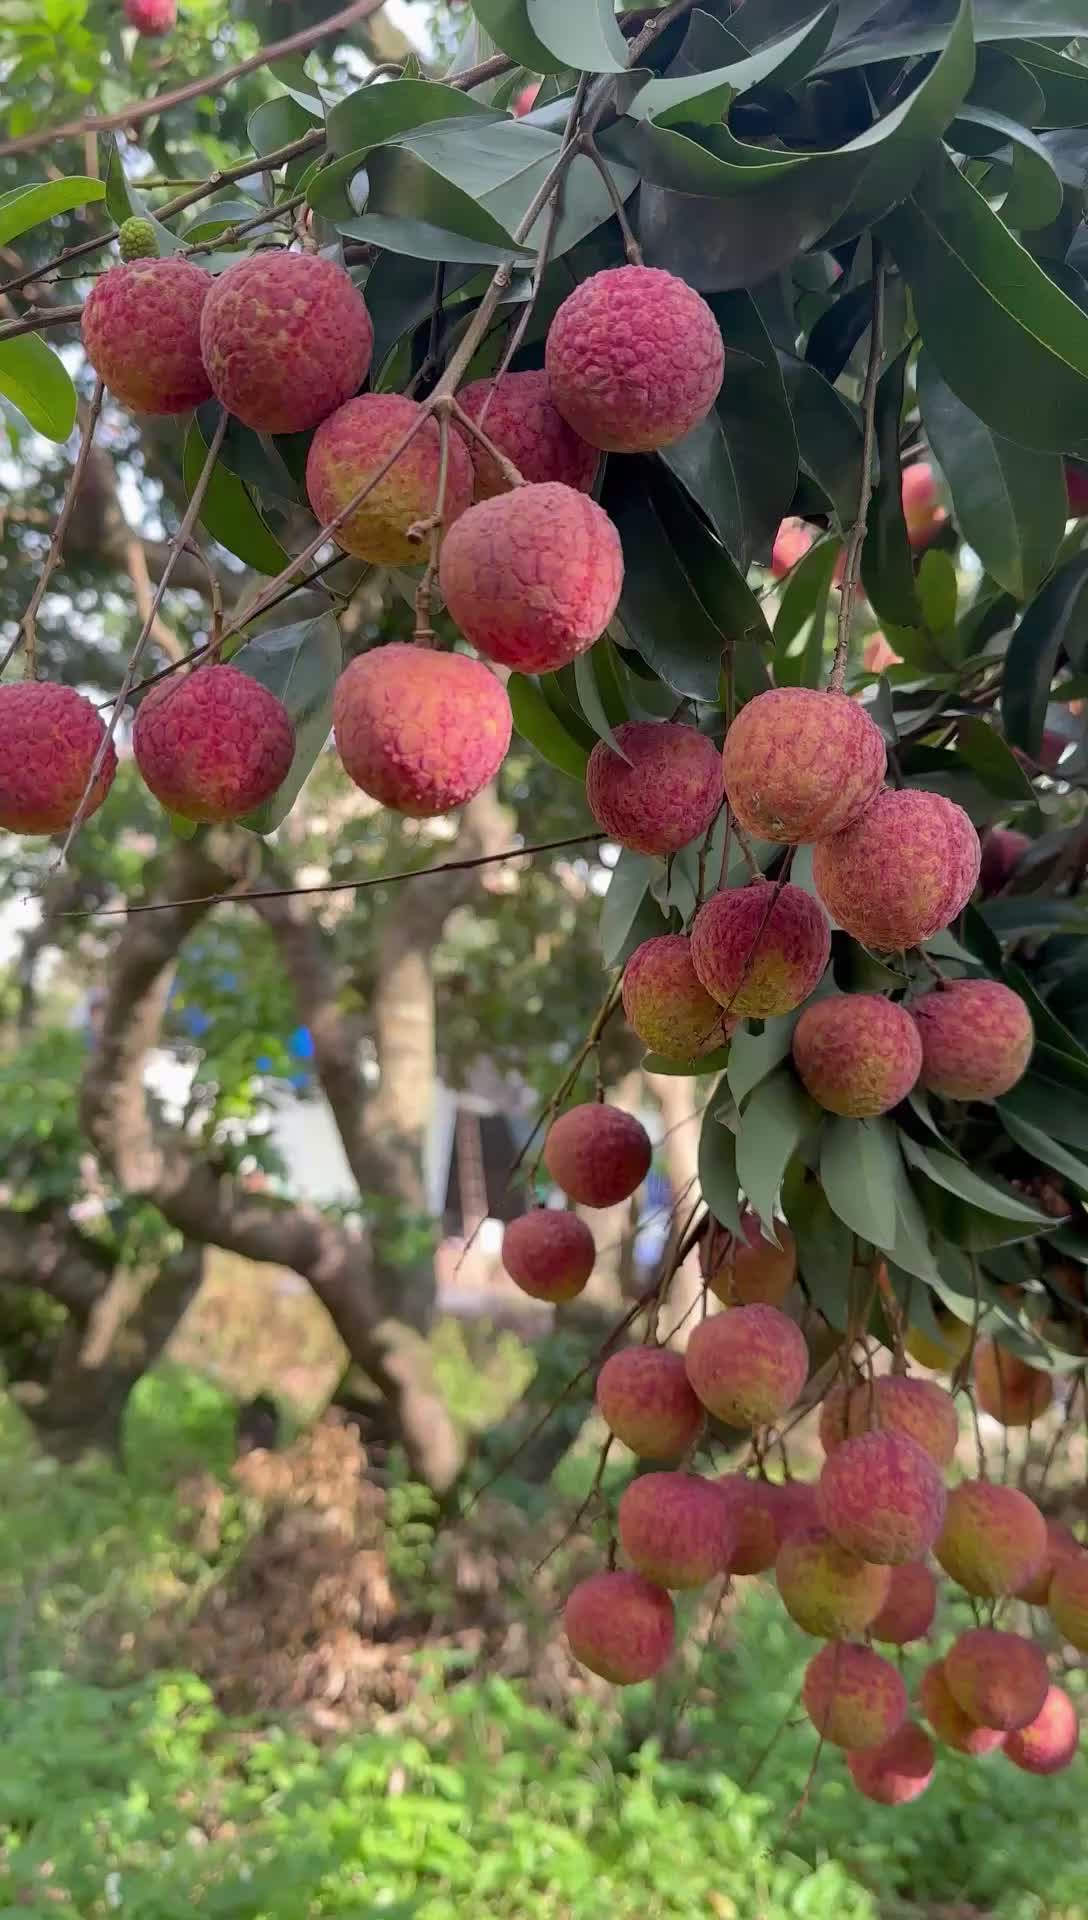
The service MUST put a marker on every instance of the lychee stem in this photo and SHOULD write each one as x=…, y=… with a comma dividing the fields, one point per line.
x=431, y=528
x=28, y=626
x=630, y=244
x=506, y=467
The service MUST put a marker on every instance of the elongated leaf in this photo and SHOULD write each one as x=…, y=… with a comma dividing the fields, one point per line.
x=123, y=201
x=628, y=889
x=953, y=1174
x=828, y=436
x=537, y=724
x=704, y=95
x=372, y=115
x=1046, y=1151
x=1055, y=620
x=599, y=693
x=776, y=1120
x=1034, y=192
x=753, y=1056
x=718, y=1170
x=987, y=755
x=887, y=567
x=825, y=1248
x=857, y=1167
x=28, y=206
x=800, y=627
x=300, y=664
x=583, y=34
x=37, y=383
x=921, y=26
x=229, y=511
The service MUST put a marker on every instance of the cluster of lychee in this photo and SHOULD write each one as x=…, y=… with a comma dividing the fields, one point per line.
x=530, y=565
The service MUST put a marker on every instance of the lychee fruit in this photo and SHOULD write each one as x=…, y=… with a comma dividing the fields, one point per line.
x=952, y=1726
x=141, y=333
x=1067, y=1601
x=977, y=1038
x=1061, y=1545
x=882, y=1497
x=751, y=1503
x=420, y=731
x=907, y=1613
x=857, y=1054
x=1007, y=1388
x=286, y=339
x=899, y=1771
x=663, y=794
x=760, y=949
x=944, y=1351
x=793, y=1504
x=877, y=653
x=518, y=414
x=353, y=444
x=894, y=1404
x=791, y=543
x=214, y=745
x=646, y=1400
x=151, y=18
x=922, y=509
x=747, y=1269
x=854, y=1697
x=532, y=577
x=1003, y=848
x=676, y=1528
x=136, y=240
x=1048, y=1744
x=49, y=736
x=549, y=1254
x=621, y=1626
x=801, y=765
x=901, y=872
x=597, y=1154
x=666, y=1003
x=999, y=1679
x=634, y=359
x=747, y=1366
x=825, y=1589
x=993, y=1540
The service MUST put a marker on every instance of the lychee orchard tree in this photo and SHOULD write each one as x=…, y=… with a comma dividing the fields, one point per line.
x=709, y=388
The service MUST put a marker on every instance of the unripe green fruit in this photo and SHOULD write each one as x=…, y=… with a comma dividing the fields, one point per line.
x=137, y=241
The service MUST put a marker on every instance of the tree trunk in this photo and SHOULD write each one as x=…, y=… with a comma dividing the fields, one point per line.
x=675, y=1095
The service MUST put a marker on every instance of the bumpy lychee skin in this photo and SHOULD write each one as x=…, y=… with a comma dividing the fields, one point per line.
x=882, y=1497
x=999, y=1679
x=747, y=1269
x=645, y=1399
x=794, y=1504
x=760, y=949
x=993, y=1540
x=598, y=1154
x=952, y=1726
x=676, y=1528
x=899, y=1771
x=1007, y=1388
x=857, y=1054
x=893, y=1404
x=532, y=577
x=634, y=359
x=518, y=413
x=1061, y=1545
x=901, y=872
x=354, y=443
x=826, y=1590
x=621, y=1626
x=665, y=1002
x=151, y=17
x=1048, y=1744
x=420, y=731
x=141, y=334
x=49, y=736
x=286, y=339
x=801, y=765
x=751, y=1503
x=907, y=1613
x=977, y=1038
x=213, y=746
x=1067, y=1600
x=136, y=240
x=747, y=1366
x=666, y=791
x=549, y=1254
x=854, y=1698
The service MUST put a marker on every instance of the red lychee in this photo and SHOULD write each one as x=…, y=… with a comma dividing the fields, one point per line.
x=907, y=1613
x=854, y=1698
x=951, y=1725
x=213, y=746
x=665, y=1002
x=646, y=1400
x=825, y=1589
x=676, y=1528
x=354, y=443
x=1048, y=1744
x=751, y=1503
x=747, y=1366
x=598, y=1154
x=897, y=1772
x=801, y=765
x=1007, y=1388
x=793, y=1504
x=858, y=1054
x=999, y=1679
x=420, y=731
x=663, y=794
x=151, y=17
x=1067, y=1600
x=549, y=1254
x=141, y=333
x=760, y=949
x=894, y=1404
x=49, y=736
x=1003, y=848
x=518, y=413
x=634, y=359
x=922, y=509
x=993, y=1540
x=747, y=1269
x=977, y=1038
x=286, y=339
x=621, y=1626
x=882, y=1497
x=1061, y=1545
x=901, y=872
x=791, y=543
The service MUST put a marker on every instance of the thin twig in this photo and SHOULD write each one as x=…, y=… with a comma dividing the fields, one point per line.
x=856, y=536
x=582, y=1509
x=432, y=530
x=263, y=219
x=28, y=626
x=630, y=245
x=472, y=427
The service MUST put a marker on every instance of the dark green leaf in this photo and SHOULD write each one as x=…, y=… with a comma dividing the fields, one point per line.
x=938, y=589
x=945, y=1170
x=548, y=36
x=887, y=564
x=1055, y=620
x=627, y=890
x=921, y=26
x=776, y=1120
x=228, y=509
x=536, y=723
x=599, y=693
x=1045, y=1150
x=38, y=384
x=373, y=115
x=718, y=1170
x=825, y=1249
x=987, y=755
x=1034, y=192
x=857, y=1167
x=1053, y=1096
x=802, y=616
x=753, y=1056
x=703, y=94
x=837, y=332
x=300, y=664
x=28, y=206
x=275, y=123
x=828, y=436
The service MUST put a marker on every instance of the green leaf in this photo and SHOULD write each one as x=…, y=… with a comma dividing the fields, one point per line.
x=972, y=281
x=373, y=115
x=37, y=383
x=275, y=123
x=921, y=26
x=1009, y=500
x=124, y=203
x=828, y=436
x=1034, y=192
x=1053, y=1096
x=802, y=614
x=622, y=915
x=945, y=1170
x=541, y=727
x=599, y=693
x=825, y=1248
x=753, y=1056
x=1047, y=1151
x=229, y=511
x=705, y=95
x=857, y=1167
x=300, y=664
x=686, y=1069
x=776, y=1120
x=987, y=755
x=718, y=1170
x=549, y=36
x=1056, y=619
x=27, y=207
x=887, y=563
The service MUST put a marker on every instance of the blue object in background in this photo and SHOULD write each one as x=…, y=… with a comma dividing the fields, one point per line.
x=301, y=1043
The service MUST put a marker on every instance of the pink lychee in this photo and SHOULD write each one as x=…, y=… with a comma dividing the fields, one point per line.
x=801, y=765
x=899, y=1771
x=901, y=872
x=1061, y=1545
x=882, y=1496
x=877, y=653
x=676, y=1528
x=993, y=1540
x=549, y=1254
x=793, y=1504
x=518, y=413
x=894, y=1404
x=141, y=333
x=151, y=17
x=634, y=359
x=49, y=736
x=1008, y=1389
x=952, y=1726
x=524, y=99
x=665, y=1002
x=597, y=1154
x=999, y=1679
x=907, y=1613
x=760, y=949
x=352, y=445
x=791, y=543
x=854, y=1698
x=1048, y=1744
x=646, y=1400
x=922, y=509
x=756, y=1541
x=977, y=1037
x=621, y=1626
x=858, y=1054
x=747, y=1366
x=825, y=1589
x=1003, y=848
x=420, y=731
x=214, y=745
x=663, y=794
x=746, y=1268
x=286, y=339
x=1067, y=1600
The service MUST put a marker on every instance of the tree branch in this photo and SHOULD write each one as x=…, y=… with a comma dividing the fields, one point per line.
x=856, y=537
